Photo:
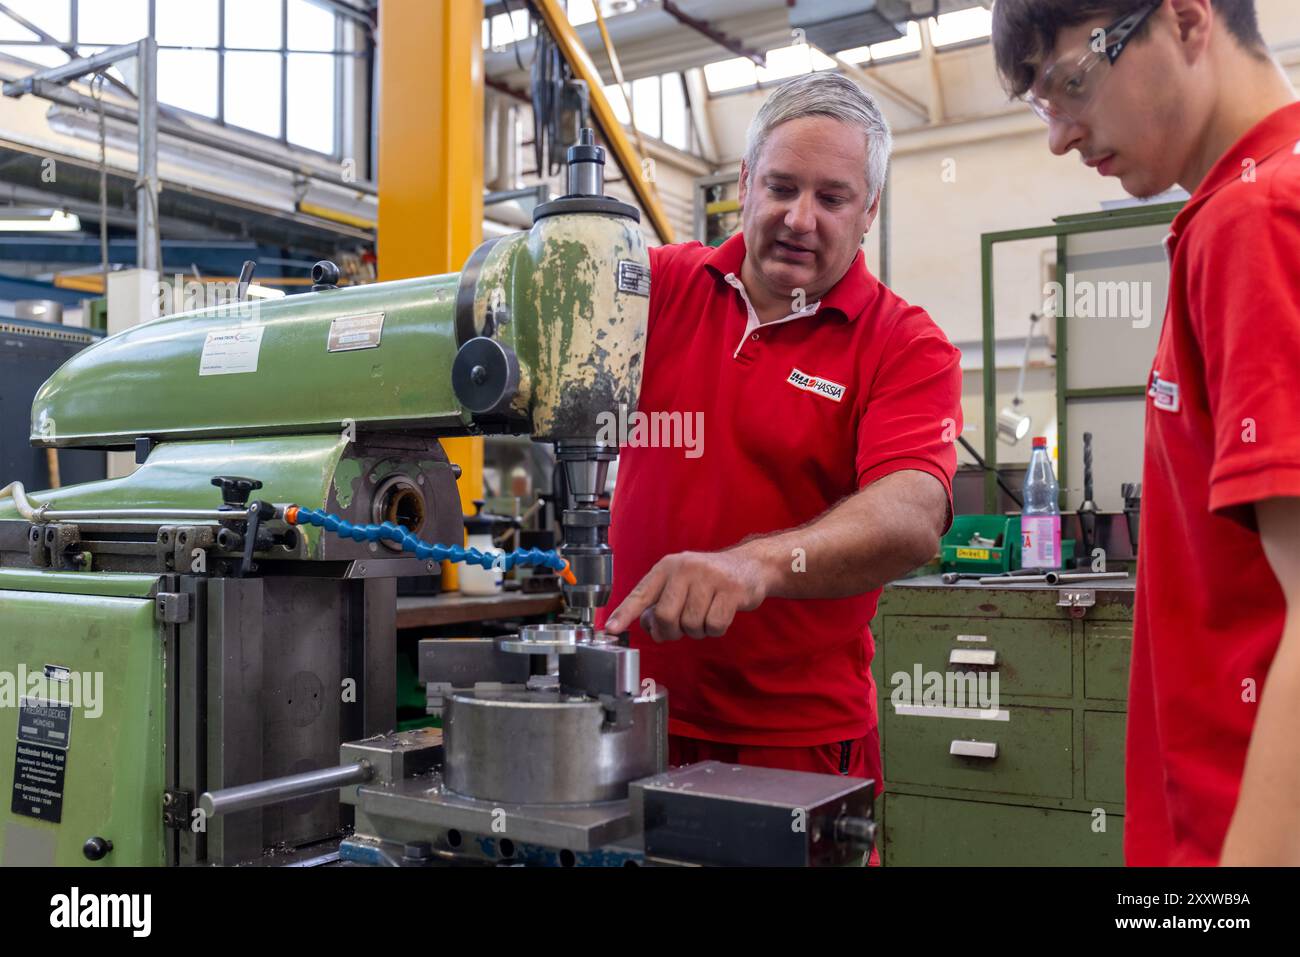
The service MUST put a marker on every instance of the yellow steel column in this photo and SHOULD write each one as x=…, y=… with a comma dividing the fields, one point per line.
x=430, y=103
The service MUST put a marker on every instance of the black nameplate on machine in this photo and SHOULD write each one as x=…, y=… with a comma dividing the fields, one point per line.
x=41, y=758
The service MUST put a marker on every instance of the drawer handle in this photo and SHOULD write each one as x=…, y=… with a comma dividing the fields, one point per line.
x=969, y=656
x=974, y=749
x=972, y=637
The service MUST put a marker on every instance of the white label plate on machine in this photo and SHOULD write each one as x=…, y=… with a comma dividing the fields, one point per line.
x=633, y=277
x=356, y=332
x=228, y=351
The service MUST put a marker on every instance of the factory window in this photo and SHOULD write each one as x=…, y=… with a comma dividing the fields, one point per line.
x=782, y=62
x=188, y=79
x=268, y=66
x=54, y=19
x=949, y=29
x=911, y=43
x=660, y=106
x=122, y=21
x=730, y=74
x=961, y=26
x=645, y=106
x=310, y=81
x=618, y=103
x=254, y=24
x=796, y=60
x=676, y=112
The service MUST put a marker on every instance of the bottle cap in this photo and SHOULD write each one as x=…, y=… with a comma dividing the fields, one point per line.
x=1040, y=442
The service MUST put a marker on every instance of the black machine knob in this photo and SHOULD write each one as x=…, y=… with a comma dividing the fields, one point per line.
x=485, y=376
x=96, y=848
x=235, y=490
x=324, y=275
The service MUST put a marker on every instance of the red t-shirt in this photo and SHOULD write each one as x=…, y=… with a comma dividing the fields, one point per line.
x=796, y=416
x=1222, y=432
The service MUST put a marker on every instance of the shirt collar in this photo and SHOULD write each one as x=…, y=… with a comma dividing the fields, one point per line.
x=848, y=297
x=1279, y=130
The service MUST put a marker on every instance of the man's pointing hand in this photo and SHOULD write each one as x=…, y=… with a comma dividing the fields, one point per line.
x=696, y=593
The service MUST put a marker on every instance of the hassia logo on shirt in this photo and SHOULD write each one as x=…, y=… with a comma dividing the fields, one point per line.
x=1165, y=393
x=811, y=383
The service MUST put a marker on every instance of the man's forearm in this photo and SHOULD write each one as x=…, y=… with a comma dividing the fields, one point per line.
x=1265, y=828
x=873, y=537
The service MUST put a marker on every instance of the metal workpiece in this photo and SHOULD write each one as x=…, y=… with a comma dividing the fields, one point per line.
x=527, y=747
x=556, y=638
x=732, y=815
x=248, y=796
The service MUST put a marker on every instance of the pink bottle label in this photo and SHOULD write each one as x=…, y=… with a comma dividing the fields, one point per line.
x=1041, y=541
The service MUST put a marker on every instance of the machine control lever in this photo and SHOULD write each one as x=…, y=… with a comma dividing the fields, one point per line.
x=275, y=790
x=235, y=490
x=96, y=848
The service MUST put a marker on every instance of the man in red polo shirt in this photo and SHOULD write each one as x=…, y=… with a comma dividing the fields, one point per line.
x=829, y=410
x=1213, y=771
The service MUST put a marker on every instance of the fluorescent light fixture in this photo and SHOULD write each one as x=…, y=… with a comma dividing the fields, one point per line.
x=38, y=221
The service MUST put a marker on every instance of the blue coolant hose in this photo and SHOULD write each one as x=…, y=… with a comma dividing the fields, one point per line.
x=400, y=535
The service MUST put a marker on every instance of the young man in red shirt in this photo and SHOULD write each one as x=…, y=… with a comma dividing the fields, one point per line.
x=1185, y=92
x=829, y=409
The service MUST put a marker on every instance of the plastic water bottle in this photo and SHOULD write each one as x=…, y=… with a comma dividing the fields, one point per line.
x=1040, y=521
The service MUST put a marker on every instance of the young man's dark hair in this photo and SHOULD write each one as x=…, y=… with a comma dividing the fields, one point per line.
x=1025, y=30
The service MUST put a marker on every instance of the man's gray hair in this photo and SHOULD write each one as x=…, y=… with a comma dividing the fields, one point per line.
x=826, y=94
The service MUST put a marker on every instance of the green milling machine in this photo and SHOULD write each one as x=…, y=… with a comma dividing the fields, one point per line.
x=194, y=673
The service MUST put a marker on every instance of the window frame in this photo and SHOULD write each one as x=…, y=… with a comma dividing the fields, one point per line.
x=341, y=56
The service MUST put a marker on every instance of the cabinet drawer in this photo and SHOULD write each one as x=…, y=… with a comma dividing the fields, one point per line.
x=1030, y=753
x=941, y=832
x=1030, y=656
x=1103, y=756
x=1107, y=649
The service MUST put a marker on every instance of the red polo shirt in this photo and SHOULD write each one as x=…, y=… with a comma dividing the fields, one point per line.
x=797, y=415
x=1221, y=434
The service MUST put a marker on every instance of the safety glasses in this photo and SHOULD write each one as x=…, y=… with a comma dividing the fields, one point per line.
x=1068, y=87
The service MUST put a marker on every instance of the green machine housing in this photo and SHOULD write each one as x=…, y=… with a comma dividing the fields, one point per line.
x=199, y=647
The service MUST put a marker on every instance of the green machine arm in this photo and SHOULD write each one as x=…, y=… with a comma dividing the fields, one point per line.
x=541, y=333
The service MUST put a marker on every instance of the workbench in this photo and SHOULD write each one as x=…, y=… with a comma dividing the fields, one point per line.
x=1036, y=779
x=453, y=608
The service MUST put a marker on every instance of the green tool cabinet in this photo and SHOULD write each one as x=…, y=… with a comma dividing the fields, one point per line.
x=1038, y=778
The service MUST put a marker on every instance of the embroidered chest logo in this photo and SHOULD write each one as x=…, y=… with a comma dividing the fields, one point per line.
x=816, y=384
x=1165, y=393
